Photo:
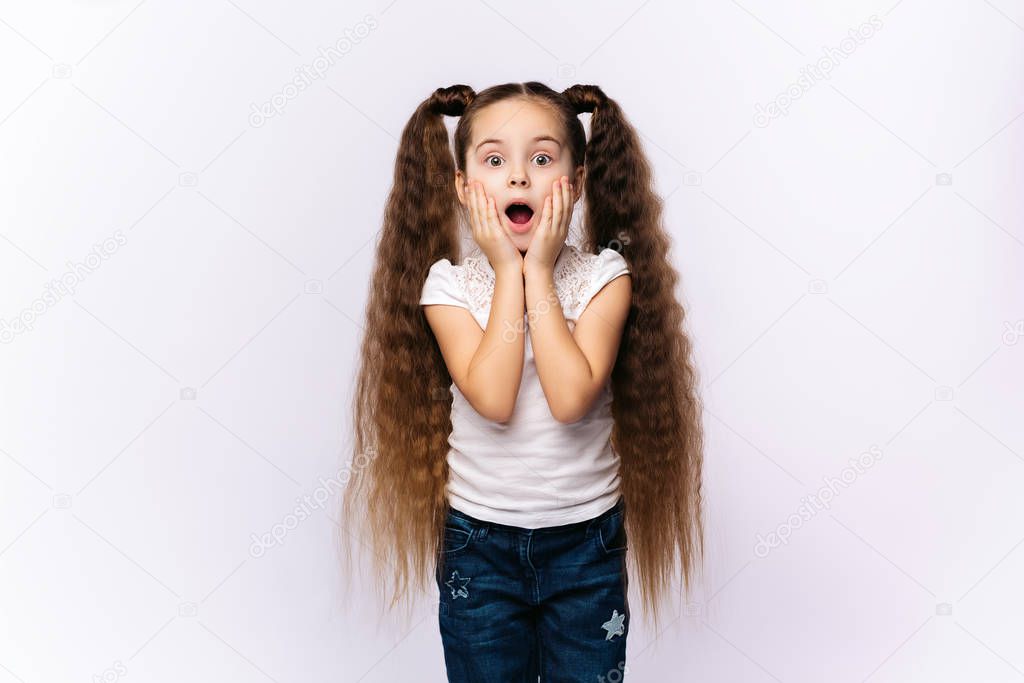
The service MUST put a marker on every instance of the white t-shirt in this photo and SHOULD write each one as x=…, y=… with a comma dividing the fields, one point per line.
x=532, y=471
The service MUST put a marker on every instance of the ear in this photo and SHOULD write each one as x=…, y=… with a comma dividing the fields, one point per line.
x=460, y=187
x=579, y=177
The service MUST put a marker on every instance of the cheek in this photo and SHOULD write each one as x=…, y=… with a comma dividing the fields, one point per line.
x=490, y=185
x=496, y=190
x=554, y=172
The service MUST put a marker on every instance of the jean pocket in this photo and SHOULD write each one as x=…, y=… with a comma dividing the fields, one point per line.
x=455, y=540
x=458, y=532
x=612, y=535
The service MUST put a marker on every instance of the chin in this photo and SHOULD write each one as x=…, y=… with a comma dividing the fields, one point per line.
x=523, y=241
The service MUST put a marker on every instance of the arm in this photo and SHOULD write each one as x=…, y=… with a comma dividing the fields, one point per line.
x=573, y=367
x=486, y=365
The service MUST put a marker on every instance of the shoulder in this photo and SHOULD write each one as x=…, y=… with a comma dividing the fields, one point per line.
x=608, y=265
x=585, y=274
x=442, y=285
x=604, y=265
x=441, y=267
x=469, y=285
x=440, y=270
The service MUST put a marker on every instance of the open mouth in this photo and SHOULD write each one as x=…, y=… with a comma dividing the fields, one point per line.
x=519, y=213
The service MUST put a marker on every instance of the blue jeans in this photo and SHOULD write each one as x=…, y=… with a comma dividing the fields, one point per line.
x=520, y=603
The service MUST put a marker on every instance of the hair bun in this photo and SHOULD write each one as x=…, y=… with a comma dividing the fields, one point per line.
x=585, y=98
x=451, y=101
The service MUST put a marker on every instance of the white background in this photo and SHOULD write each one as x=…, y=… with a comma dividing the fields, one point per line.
x=842, y=293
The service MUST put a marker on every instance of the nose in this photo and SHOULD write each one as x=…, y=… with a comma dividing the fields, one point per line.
x=517, y=179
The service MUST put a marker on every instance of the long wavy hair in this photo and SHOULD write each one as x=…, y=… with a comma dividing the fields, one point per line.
x=395, y=502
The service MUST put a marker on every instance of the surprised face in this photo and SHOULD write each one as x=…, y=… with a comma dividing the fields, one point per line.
x=517, y=151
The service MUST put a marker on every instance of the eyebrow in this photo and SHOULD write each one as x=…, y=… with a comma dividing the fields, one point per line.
x=539, y=138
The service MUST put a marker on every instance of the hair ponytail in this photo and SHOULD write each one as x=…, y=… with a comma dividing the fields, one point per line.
x=658, y=431
x=395, y=501
x=451, y=101
x=585, y=98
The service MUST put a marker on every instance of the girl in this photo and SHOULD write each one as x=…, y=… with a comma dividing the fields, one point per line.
x=521, y=413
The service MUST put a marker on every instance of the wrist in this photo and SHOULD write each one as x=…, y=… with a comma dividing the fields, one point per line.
x=533, y=270
x=508, y=270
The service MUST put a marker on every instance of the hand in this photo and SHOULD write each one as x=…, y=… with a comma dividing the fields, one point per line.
x=488, y=230
x=553, y=228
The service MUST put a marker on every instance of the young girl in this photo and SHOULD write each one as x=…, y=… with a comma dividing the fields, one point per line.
x=522, y=412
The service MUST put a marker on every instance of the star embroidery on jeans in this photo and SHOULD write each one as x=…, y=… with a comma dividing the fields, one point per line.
x=458, y=585
x=615, y=626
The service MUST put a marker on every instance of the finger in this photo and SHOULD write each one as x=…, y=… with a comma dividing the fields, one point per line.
x=545, y=216
x=492, y=214
x=495, y=220
x=473, y=211
x=562, y=205
x=484, y=202
x=556, y=206
x=567, y=204
x=481, y=209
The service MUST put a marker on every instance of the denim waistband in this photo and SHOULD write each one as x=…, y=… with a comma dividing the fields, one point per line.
x=561, y=528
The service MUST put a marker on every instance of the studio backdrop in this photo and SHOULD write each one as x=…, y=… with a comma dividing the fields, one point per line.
x=191, y=197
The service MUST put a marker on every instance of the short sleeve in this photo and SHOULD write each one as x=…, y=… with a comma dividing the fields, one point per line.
x=442, y=286
x=610, y=265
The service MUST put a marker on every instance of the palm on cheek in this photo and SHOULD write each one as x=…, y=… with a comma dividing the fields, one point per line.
x=488, y=231
x=553, y=227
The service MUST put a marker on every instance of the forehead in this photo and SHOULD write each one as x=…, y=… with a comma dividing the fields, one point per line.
x=515, y=120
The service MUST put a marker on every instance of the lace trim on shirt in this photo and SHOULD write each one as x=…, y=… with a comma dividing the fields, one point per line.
x=573, y=275
x=476, y=280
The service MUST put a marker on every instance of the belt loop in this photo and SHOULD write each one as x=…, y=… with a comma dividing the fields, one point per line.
x=482, y=531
